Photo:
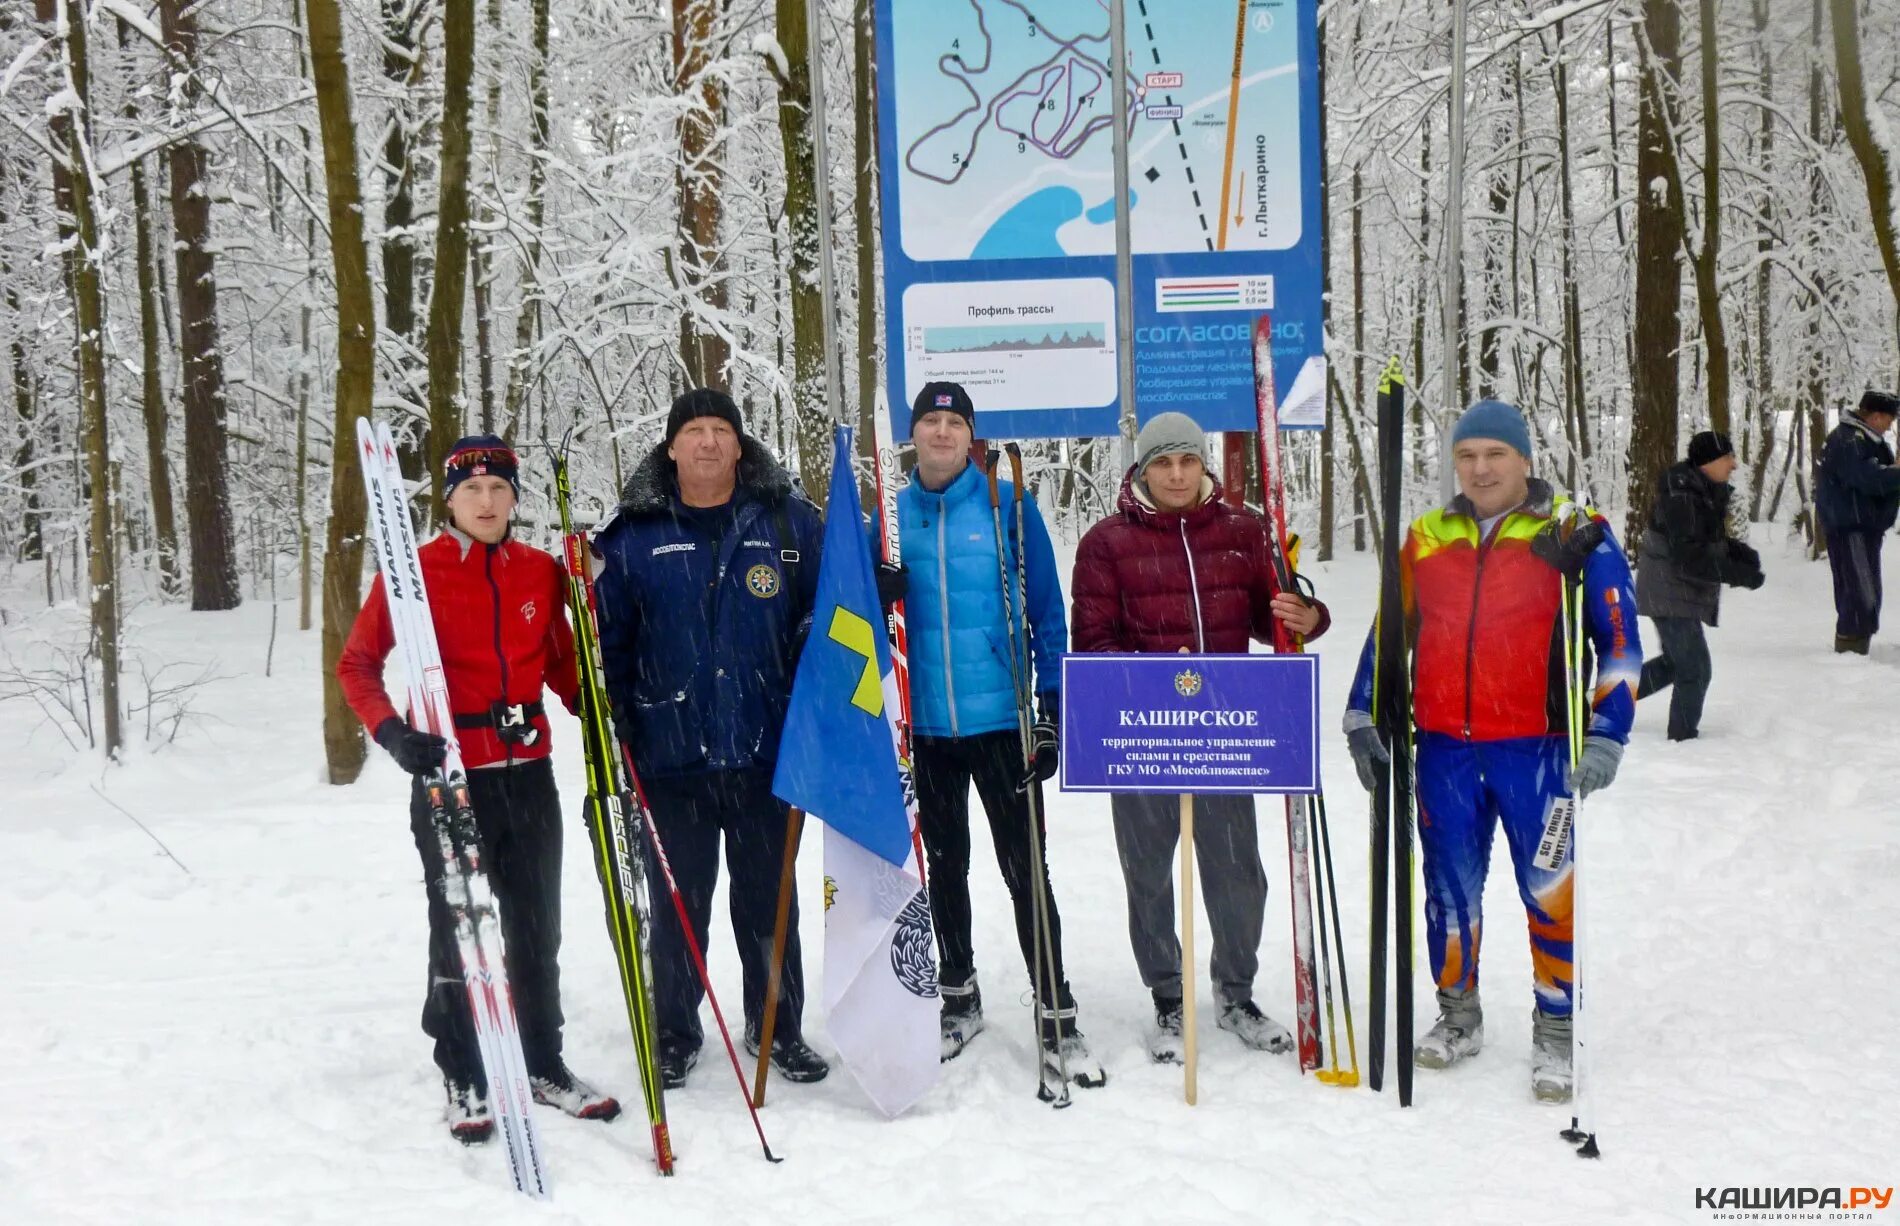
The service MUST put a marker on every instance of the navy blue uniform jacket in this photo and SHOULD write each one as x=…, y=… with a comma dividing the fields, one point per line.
x=699, y=639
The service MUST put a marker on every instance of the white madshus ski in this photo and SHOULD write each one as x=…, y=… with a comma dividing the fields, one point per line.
x=465, y=882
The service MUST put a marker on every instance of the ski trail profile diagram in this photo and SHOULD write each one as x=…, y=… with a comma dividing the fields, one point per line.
x=1005, y=137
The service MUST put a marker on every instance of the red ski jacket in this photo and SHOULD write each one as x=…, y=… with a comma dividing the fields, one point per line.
x=1151, y=580
x=500, y=614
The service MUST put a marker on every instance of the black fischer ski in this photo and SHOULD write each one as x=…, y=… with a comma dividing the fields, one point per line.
x=613, y=825
x=1393, y=798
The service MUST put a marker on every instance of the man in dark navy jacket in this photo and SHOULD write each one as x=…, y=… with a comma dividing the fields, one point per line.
x=708, y=573
x=1858, y=498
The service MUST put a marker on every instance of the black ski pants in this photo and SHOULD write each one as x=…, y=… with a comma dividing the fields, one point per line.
x=691, y=812
x=1854, y=555
x=1684, y=665
x=943, y=769
x=518, y=814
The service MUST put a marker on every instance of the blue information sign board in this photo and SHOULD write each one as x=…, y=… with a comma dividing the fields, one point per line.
x=1190, y=723
x=996, y=155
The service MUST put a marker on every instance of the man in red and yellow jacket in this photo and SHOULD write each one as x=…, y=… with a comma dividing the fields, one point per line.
x=1482, y=581
x=500, y=615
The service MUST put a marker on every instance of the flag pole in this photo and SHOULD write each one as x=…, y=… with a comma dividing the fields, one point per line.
x=834, y=407
x=794, y=821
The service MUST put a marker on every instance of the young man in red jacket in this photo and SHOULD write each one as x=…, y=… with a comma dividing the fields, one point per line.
x=500, y=614
x=1176, y=567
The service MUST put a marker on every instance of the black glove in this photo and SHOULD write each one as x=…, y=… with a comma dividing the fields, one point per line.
x=1744, y=566
x=1567, y=543
x=892, y=583
x=1045, y=739
x=415, y=751
x=1370, y=757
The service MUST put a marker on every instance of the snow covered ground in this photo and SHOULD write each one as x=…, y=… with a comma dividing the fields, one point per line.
x=240, y=1044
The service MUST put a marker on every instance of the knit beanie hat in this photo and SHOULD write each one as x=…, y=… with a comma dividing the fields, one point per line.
x=1880, y=402
x=1494, y=419
x=1709, y=446
x=702, y=402
x=480, y=455
x=942, y=397
x=1168, y=434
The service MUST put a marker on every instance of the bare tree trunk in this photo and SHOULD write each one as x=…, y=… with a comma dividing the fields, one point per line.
x=864, y=213
x=450, y=285
x=1708, y=292
x=704, y=352
x=305, y=313
x=1765, y=243
x=72, y=129
x=1874, y=156
x=1572, y=306
x=1325, y=553
x=402, y=69
x=482, y=288
x=1359, y=502
x=214, y=578
x=801, y=214
x=1659, y=235
x=540, y=135
x=152, y=390
x=32, y=540
x=355, y=382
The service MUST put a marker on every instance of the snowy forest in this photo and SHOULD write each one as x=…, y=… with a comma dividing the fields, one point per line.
x=230, y=227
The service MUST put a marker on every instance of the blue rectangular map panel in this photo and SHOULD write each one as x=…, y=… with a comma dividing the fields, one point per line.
x=1190, y=723
x=996, y=149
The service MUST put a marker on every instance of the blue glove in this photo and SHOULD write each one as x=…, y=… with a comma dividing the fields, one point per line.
x=1596, y=768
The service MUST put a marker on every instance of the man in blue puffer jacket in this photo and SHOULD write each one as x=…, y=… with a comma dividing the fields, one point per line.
x=963, y=703
x=708, y=573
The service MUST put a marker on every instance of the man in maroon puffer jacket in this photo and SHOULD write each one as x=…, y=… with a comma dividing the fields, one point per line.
x=1175, y=567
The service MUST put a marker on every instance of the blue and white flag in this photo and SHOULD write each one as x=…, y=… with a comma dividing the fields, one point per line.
x=839, y=761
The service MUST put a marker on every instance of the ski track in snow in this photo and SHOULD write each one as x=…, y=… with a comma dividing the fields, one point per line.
x=242, y=1045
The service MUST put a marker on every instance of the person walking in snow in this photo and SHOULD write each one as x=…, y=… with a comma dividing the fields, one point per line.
x=963, y=705
x=1482, y=579
x=500, y=614
x=1858, y=497
x=708, y=573
x=1176, y=567
x=1685, y=559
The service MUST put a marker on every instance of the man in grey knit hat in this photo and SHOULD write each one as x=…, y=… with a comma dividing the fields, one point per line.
x=1176, y=568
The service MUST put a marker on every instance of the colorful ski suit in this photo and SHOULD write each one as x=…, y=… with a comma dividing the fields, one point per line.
x=1483, y=619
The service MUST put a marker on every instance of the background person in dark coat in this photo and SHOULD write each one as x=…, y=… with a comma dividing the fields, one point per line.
x=708, y=572
x=1857, y=497
x=1685, y=560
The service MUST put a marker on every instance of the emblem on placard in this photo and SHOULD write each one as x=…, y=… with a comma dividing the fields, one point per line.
x=1187, y=683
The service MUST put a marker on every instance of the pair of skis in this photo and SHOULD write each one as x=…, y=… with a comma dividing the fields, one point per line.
x=465, y=884
x=616, y=823
x=1306, y=824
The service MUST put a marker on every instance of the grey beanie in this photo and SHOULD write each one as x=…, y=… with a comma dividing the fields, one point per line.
x=1169, y=434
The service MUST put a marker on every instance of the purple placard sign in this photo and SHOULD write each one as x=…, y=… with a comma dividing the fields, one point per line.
x=1190, y=723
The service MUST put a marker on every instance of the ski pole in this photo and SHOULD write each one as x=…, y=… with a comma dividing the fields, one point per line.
x=1039, y=867
x=1043, y=1091
x=692, y=947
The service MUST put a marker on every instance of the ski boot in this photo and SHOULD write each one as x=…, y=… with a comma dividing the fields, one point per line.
x=961, y=1019
x=1551, y=1076
x=561, y=1088
x=1857, y=644
x=467, y=1112
x=1063, y=1047
x=1166, y=1044
x=1458, y=1033
x=1253, y=1027
x=676, y=1060
x=791, y=1056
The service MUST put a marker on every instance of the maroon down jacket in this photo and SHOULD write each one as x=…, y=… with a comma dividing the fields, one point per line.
x=1149, y=580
